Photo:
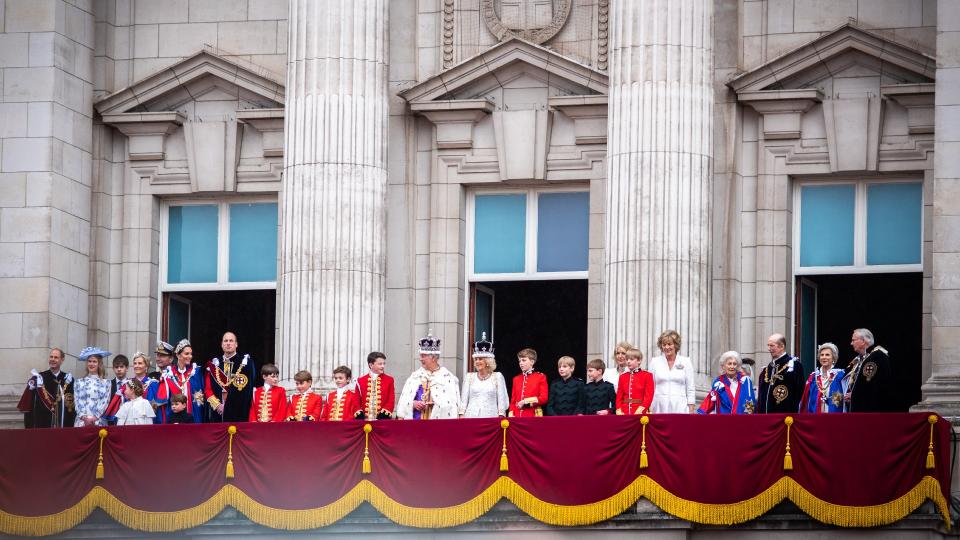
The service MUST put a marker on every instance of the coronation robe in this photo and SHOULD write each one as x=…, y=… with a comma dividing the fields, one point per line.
x=269, y=404
x=341, y=404
x=229, y=381
x=376, y=396
x=158, y=394
x=188, y=382
x=305, y=407
x=823, y=393
x=729, y=396
x=635, y=392
x=439, y=387
x=49, y=404
x=781, y=385
x=531, y=390
x=869, y=376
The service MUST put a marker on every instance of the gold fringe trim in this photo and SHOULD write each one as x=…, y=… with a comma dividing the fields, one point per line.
x=503, y=487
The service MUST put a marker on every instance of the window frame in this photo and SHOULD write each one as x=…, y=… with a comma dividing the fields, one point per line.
x=223, y=282
x=531, y=245
x=860, y=265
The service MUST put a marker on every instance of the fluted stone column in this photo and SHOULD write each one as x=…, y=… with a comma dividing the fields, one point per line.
x=660, y=149
x=332, y=202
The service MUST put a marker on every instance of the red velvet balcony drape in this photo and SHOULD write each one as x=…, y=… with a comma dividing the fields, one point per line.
x=847, y=469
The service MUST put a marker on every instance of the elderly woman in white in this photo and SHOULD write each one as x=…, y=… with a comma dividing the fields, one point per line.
x=484, y=393
x=673, y=377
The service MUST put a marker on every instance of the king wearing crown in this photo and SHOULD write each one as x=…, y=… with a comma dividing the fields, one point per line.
x=431, y=392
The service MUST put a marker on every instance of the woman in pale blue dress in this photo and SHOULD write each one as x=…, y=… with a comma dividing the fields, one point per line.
x=92, y=392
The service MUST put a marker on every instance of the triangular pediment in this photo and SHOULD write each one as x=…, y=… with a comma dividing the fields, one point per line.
x=848, y=51
x=205, y=75
x=513, y=62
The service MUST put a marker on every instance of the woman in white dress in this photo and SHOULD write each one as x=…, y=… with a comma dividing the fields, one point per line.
x=136, y=411
x=91, y=393
x=673, y=377
x=484, y=393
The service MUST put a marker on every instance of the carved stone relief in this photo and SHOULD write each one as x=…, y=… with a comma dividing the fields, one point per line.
x=535, y=21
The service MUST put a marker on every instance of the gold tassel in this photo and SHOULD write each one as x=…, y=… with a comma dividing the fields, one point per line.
x=99, y=474
x=504, y=464
x=930, y=459
x=366, y=468
x=232, y=430
x=787, y=458
x=644, y=462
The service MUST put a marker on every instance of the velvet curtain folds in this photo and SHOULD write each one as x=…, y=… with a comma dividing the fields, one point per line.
x=844, y=469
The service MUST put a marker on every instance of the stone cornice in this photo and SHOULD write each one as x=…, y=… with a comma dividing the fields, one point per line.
x=818, y=52
x=499, y=56
x=202, y=64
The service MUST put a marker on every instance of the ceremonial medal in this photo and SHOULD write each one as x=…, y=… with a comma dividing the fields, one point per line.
x=780, y=392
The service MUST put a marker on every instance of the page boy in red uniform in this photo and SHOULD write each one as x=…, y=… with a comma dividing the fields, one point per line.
x=305, y=405
x=530, y=390
x=343, y=403
x=270, y=400
x=376, y=390
x=635, y=388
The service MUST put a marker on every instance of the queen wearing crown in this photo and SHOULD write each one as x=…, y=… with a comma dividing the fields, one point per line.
x=484, y=393
x=431, y=392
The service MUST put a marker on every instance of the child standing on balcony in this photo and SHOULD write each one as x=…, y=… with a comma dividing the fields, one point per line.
x=343, y=403
x=270, y=400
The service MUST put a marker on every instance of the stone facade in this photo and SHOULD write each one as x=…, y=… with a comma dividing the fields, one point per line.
x=113, y=109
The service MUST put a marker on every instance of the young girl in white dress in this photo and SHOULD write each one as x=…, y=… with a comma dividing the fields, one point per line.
x=136, y=411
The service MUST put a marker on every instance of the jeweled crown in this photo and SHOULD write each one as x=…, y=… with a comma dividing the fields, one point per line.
x=430, y=344
x=483, y=348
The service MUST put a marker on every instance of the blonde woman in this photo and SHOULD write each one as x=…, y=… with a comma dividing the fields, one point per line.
x=673, y=376
x=612, y=374
x=91, y=392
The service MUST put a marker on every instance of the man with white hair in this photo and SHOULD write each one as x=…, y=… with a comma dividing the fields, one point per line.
x=431, y=392
x=868, y=376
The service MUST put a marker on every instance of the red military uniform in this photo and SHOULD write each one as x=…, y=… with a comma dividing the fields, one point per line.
x=376, y=396
x=344, y=408
x=532, y=389
x=269, y=408
x=634, y=392
x=305, y=407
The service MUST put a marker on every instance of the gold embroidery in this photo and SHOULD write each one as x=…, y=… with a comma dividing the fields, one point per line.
x=263, y=415
x=780, y=392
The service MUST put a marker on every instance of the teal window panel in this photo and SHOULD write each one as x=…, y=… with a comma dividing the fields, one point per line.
x=192, y=244
x=178, y=320
x=500, y=227
x=563, y=226
x=894, y=223
x=826, y=225
x=253, y=242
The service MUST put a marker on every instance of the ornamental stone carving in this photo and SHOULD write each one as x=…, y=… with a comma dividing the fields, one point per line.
x=535, y=21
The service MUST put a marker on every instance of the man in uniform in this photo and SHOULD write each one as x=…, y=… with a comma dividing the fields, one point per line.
x=868, y=376
x=228, y=384
x=48, y=398
x=431, y=391
x=782, y=381
x=159, y=394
